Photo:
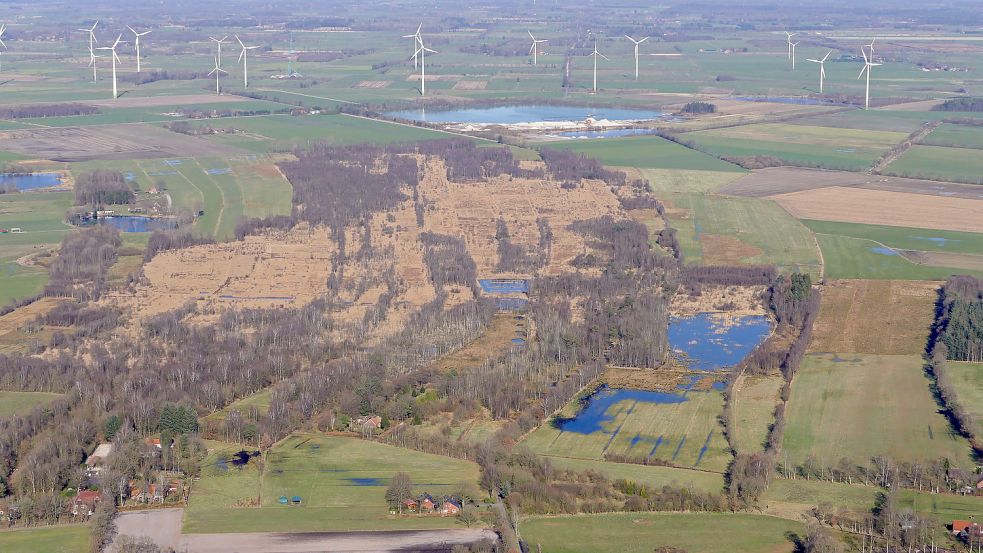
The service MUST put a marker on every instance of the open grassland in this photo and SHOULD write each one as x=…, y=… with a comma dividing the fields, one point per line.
x=968, y=381
x=651, y=475
x=685, y=180
x=20, y=403
x=847, y=257
x=831, y=148
x=685, y=434
x=904, y=238
x=831, y=392
x=958, y=136
x=644, y=532
x=261, y=134
x=753, y=403
x=724, y=230
x=260, y=401
x=875, y=316
x=51, y=539
x=881, y=207
x=645, y=152
x=18, y=333
x=40, y=216
x=342, y=483
x=941, y=163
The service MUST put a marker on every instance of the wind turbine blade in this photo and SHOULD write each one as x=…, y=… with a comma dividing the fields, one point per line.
x=822, y=71
x=864, y=53
x=132, y=31
x=872, y=64
x=239, y=41
x=813, y=61
x=533, y=47
x=643, y=40
x=862, y=71
x=827, y=55
x=431, y=51
x=241, y=54
x=603, y=56
x=530, y=35
x=2, y=43
x=419, y=28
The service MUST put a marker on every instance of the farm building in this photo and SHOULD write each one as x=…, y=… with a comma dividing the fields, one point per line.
x=410, y=505
x=451, y=507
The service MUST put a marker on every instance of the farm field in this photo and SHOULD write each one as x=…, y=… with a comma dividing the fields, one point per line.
x=828, y=147
x=684, y=433
x=51, y=539
x=650, y=475
x=875, y=316
x=643, y=532
x=904, y=238
x=957, y=136
x=968, y=381
x=941, y=163
x=20, y=403
x=261, y=134
x=645, y=152
x=753, y=403
x=879, y=207
x=663, y=181
x=341, y=481
x=858, y=258
x=723, y=230
x=831, y=392
x=40, y=215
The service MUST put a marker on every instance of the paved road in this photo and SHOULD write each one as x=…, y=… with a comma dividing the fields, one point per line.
x=334, y=542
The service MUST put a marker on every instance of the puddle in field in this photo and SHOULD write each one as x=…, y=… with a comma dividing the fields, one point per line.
x=883, y=251
x=938, y=241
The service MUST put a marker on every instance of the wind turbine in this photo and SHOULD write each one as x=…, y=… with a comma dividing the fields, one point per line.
x=245, y=64
x=92, y=42
x=822, y=69
x=636, y=43
x=789, y=38
x=2, y=29
x=422, y=51
x=595, y=54
x=217, y=71
x=119, y=40
x=137, y=42
x=416, y=44
x=868, y=64
x=794, y=44
x=534, y=49
x=218, y=42
x=871, y=46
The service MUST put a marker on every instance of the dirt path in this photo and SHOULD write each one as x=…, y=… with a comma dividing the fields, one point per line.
x=897, y=151
x=331, y=542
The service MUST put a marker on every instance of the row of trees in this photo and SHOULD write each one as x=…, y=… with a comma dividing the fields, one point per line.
x=102, y=187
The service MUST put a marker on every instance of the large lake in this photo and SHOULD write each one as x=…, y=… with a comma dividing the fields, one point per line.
x=533, y=113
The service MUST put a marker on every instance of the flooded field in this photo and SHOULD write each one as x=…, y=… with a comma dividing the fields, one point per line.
x=134, y=223
x=532, y=113
x=708, y=342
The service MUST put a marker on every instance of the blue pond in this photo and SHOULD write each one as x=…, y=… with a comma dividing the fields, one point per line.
x=608, y=133
x=606, y=404
x=367, y=481
x=504, y=286
x=30, y=181
x=509, y=115
x=133, y=223
x=708, y=344
x=883, y=251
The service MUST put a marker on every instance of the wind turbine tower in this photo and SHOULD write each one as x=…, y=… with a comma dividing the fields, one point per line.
x=2, y=29
x=794, y=44
x=115, y=58
x=217, y=71
x=422, y=51
x=534, y=49
x=595, y=54
x=636, y=43
x=416, y=45
x=868, y=64
x=218, y=42
x=789, y=39
x=92, y=53
x=137, y=43
x=822, y=69
x=245, y=65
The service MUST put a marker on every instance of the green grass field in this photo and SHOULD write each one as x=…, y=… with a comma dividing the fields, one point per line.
x=959, y=136
x=753, y=406
x=905, y=238
x=720, y=230
x=848, y=257
x=260, y=400
x=939, y=163
x=19, y=403
x=684, y=180
x=831, y=148
x=643, y=532
x=40, y=215
x=650, y=475
x=832, y=393
x=51, y=539
x=686, y=434
x=326, y=472
x=645, y=152
x=968, y=380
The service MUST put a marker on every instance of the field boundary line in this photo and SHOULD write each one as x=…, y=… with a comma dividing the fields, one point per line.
x=462, y=135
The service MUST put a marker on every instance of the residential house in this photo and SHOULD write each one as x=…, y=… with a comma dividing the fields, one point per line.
x=372, y=422
x=84, y=503
x=147, y=492
x=427, y=504
x=410, y=505
x=451, y=507
x=965, y=528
